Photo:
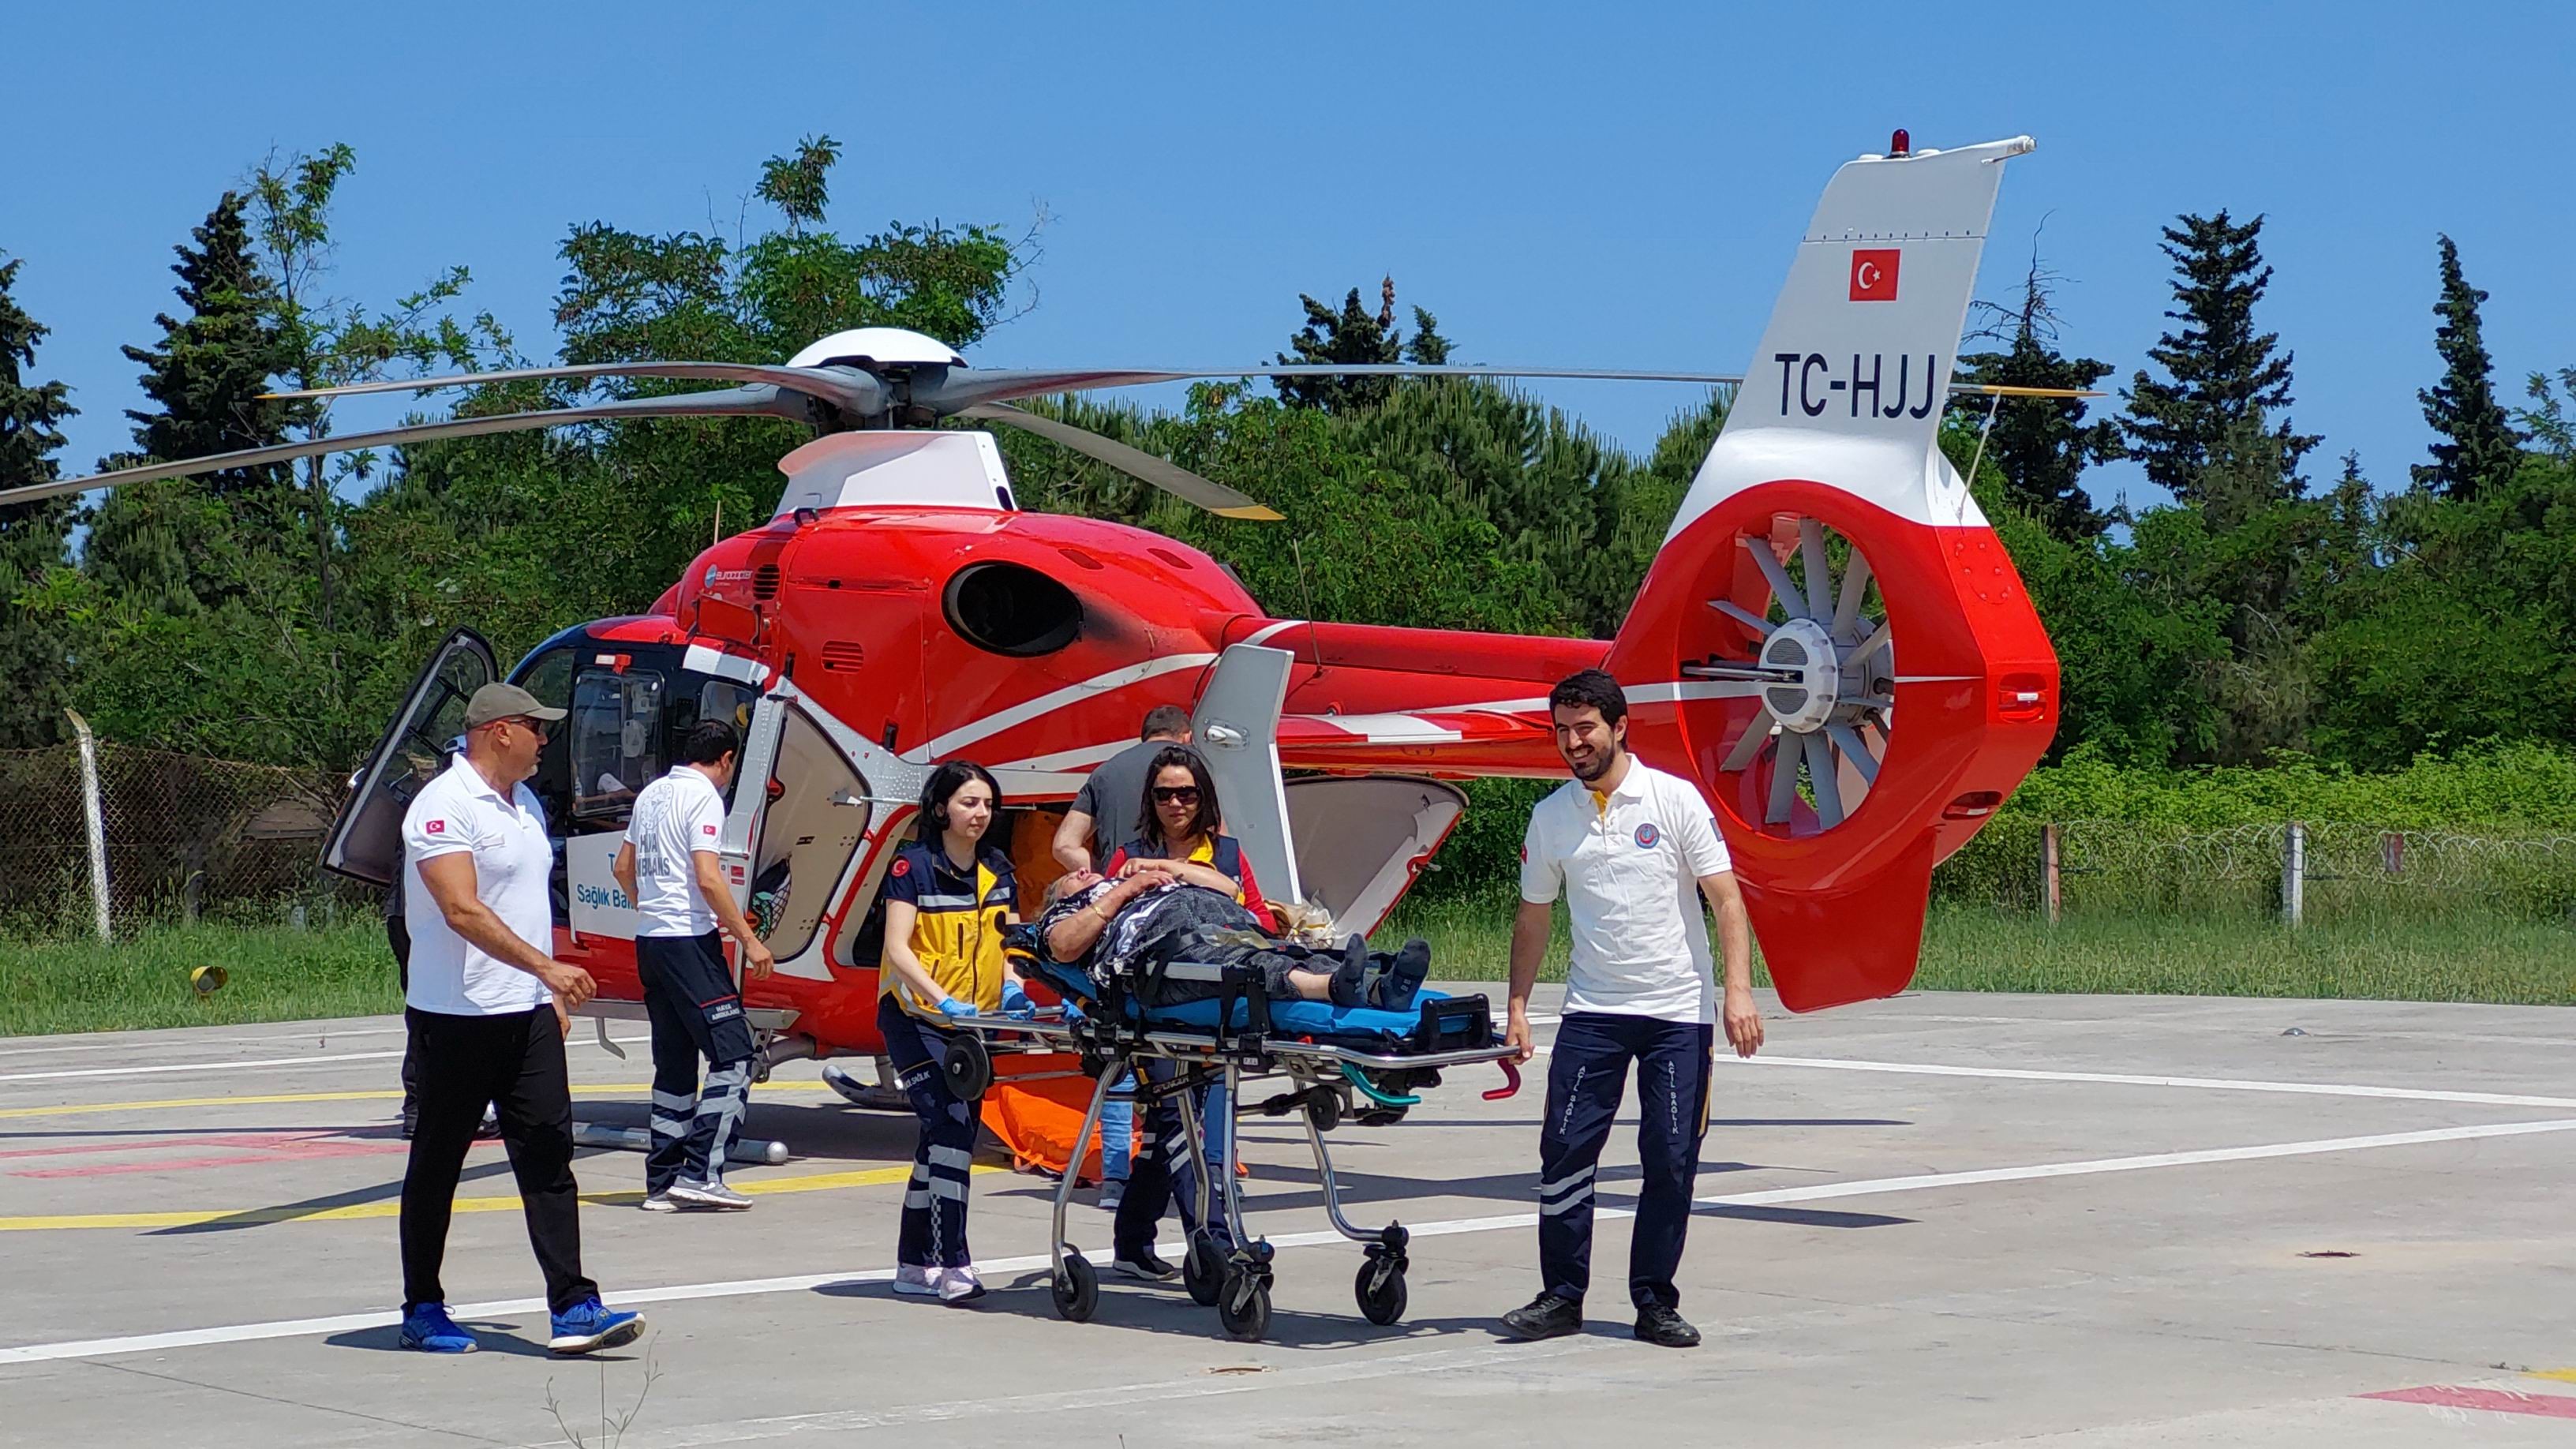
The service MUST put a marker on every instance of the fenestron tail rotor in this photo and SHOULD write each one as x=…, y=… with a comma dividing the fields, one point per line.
x=1823, y=671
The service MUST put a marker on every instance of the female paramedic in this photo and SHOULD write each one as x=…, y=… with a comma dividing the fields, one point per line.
x=1178, y=820
x=947, y=898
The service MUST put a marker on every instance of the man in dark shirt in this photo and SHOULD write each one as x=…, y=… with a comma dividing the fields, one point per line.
x=1104, y=815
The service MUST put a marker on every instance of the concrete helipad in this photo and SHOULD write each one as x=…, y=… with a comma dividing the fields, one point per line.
x=1939, y=1220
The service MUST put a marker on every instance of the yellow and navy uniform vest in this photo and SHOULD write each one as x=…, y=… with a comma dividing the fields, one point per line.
x=957, y=928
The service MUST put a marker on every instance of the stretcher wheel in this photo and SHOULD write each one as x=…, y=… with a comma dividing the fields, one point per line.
x=1202, y=1270
x=1243, y=1305
x=1076, y=1289
x=1380, y=1290
x=968, y=1067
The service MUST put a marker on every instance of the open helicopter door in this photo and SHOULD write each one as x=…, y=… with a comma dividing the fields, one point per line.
x=1236, y=726
x=366, y=838
x=1362, y=841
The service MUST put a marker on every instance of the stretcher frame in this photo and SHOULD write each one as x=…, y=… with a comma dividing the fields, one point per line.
x=1224, y=1266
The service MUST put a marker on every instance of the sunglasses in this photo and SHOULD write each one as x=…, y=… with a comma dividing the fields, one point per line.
x=1176, y=794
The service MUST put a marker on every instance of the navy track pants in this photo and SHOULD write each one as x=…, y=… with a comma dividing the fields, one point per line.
x=934, y=1202
x=1587, y=1075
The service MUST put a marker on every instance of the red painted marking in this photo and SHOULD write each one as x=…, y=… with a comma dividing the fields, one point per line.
x=2494, y=1401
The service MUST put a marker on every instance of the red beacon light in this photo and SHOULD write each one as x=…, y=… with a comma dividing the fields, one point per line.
x=1901, y=143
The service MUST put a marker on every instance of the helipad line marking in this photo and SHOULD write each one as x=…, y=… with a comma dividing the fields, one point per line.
x=356, y=1212
x=605, y=1089
x=1523, y=1221
x=2489, y=1401
x=217, y=1068
x=2129, y=1079
x=2563, y=1375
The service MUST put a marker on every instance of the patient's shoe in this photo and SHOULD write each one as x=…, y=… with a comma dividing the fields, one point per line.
x=1350, y=981
x=1402, y=981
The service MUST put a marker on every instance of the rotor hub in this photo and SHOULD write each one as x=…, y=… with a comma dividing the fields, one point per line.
x=1803, y=648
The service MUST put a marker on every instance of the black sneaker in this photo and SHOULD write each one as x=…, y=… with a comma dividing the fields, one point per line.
x=1402, y=982
x=1546, y=1316
x=1665, y=1327
x=1144, y=1264
x=1350, y=982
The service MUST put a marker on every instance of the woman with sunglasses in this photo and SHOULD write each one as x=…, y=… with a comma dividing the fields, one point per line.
x=1179, y=821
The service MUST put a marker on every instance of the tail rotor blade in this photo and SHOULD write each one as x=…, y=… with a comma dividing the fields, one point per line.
x=1757, y=732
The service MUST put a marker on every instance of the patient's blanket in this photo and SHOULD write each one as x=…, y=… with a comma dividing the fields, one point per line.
x=1182, y=922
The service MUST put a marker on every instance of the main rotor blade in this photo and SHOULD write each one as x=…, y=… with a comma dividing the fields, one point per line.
x=1136, y=463
x=845, y=388
x=731, y=402
x=963, y=387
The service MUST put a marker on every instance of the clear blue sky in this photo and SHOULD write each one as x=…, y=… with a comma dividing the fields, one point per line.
x=1602, y=185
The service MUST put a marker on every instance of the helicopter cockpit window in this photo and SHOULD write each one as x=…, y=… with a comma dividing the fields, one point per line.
x=617, y=746
x=1011, y=609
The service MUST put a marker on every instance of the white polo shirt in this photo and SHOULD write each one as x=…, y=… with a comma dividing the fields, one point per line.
x=455, y=813
x=676, y=817
x=1629, y=870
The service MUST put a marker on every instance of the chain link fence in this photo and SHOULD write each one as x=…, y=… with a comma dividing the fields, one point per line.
x=2313, y=869
x=185, y=838
x=188, y=838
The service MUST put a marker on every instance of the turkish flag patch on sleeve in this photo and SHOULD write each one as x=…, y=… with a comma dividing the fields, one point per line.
x=706, y=830
x=1873, y=274
x=435, y=827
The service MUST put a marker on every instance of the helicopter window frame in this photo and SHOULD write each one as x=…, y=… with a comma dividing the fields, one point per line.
x=1035, y=614
x=642, y=728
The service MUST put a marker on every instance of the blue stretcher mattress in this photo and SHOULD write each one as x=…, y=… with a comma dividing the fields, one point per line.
x=1435, y=1022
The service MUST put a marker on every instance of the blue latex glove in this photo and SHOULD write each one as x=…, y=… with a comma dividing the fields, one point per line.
x=1016, y=1003
x=1072, y=1013
x=956, y=1010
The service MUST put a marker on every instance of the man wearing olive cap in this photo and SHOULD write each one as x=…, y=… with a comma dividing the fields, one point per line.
x=487, y=1007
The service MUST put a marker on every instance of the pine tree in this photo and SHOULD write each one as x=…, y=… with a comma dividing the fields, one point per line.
x=1354, y=335
x=33, y=536
x=2477, y=446
x=149, y=543
x=2225, y=378
x=2042, y=445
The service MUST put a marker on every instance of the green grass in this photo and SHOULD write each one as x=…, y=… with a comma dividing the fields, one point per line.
x=281, y=974
x=2464, y=955
x=275, y=973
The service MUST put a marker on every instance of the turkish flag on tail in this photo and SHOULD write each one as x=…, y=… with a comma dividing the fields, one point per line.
x=1873, y=274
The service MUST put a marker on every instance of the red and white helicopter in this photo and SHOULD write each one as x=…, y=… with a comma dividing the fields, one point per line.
x=1828, y=576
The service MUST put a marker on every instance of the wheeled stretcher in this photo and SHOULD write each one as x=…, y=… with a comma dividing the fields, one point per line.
x=1335, y=1063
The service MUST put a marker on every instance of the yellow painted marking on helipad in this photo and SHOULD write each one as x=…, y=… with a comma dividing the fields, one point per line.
x=2564, y=1376
x=162, y=1104
x=508, y=1203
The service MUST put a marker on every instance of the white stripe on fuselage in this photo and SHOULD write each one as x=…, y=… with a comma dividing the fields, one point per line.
x=1049, y=703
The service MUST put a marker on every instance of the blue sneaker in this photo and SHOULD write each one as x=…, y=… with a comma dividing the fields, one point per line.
x=427, y=1327
x=589, y=1326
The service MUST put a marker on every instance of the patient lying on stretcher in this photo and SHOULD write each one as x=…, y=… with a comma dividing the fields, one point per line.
x=1153, y=916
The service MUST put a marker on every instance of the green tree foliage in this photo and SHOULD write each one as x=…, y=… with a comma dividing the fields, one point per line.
x=2041, y=447
x=1356, y=336
x=2475, y=446
x=34, y=537
x=2225, y=382
x=149, y=544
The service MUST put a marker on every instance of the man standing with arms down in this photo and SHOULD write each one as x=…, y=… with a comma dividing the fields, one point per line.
x=1104, y=816
x=486, y=1009
x=671, y=868
x=1631, y=849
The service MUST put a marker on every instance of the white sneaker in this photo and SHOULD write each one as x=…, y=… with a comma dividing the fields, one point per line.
x=659, y=1202
x=915, y=1281
x=709, y=1195
x=959, y=1285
